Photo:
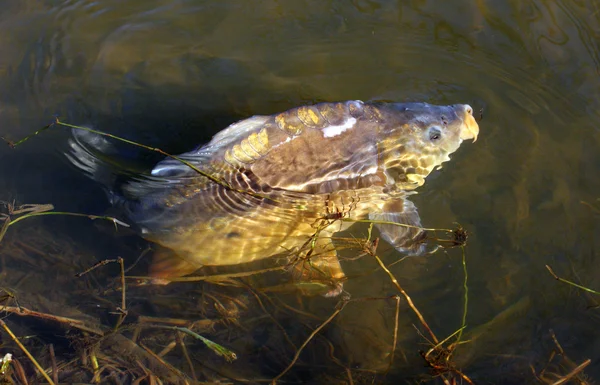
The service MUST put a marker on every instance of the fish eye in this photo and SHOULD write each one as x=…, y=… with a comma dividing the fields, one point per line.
x=435, y=134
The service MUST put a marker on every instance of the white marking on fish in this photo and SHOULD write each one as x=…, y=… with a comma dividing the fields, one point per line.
x=371, y=170
x=331, y=131
x=287, y=140
x=336, y=175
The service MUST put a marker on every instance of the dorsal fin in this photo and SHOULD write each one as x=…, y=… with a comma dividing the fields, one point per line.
x=170, y=167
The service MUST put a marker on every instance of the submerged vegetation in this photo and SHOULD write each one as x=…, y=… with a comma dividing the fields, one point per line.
x=109, y=330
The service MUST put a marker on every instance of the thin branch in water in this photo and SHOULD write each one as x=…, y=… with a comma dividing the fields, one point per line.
x=95, y=266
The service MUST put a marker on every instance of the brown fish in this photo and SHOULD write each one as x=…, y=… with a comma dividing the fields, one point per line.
x=280, y=175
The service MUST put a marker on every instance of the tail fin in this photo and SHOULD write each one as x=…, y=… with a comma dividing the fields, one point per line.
x=102, y=161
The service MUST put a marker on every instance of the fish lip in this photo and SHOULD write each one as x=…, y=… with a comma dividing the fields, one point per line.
x=470, y=128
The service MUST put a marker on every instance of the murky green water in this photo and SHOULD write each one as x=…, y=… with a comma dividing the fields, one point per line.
x=173, y=73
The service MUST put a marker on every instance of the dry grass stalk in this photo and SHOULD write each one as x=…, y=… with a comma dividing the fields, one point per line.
x=54, y=366
x=181, y=343
x=570, y=283
x=395, y=334
x=24, y=349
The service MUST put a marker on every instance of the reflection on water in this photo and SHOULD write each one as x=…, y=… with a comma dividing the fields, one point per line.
x=173, y=73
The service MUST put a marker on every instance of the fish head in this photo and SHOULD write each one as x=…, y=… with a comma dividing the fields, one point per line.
x=416, y=138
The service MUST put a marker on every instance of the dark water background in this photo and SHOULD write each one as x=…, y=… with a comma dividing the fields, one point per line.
x=173, y=73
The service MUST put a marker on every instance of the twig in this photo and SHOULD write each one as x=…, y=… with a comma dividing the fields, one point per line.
x=95, y=266
x=22, y=311
x=24, y=349
x=314, y=333
x=555, y=340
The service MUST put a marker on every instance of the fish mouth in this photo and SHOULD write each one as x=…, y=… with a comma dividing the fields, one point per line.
x=470, y=128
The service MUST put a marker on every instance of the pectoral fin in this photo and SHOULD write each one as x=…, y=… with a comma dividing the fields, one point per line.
x=321, y=272
x=406, y=236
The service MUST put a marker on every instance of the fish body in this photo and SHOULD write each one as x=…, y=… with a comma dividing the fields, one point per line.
x=274, y=179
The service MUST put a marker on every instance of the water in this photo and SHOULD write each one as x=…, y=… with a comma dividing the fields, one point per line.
x=173, y=73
